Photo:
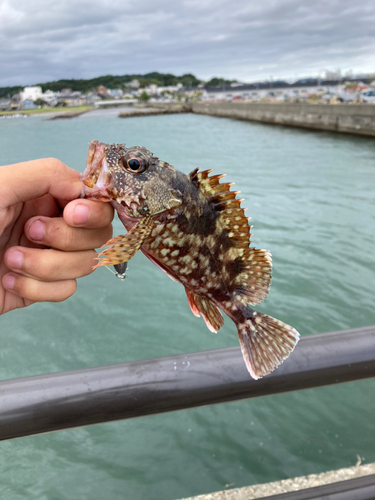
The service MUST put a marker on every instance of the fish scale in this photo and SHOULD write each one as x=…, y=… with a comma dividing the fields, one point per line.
x=193, y=228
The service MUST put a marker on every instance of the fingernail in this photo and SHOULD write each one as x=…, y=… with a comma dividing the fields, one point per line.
x=14, y=259
x=81, y=214
x=36, y=230
x=8, y=281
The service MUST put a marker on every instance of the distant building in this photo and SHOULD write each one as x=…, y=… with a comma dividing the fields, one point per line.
x=75, y=98
x=151, y=89
x=274, y=90
x=91, y=98
x=15, y=101
x=32, y=93
x=115, y=93
x=102, y=92
x=27, y=104
x=50, y=98
x=278, y=90
x=5, y=104
x=170, y=88
x=134, y=84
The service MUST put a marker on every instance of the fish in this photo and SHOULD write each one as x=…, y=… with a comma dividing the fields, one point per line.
x=193, y=228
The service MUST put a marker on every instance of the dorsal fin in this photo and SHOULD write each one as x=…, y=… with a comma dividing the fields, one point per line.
x=226, y=204
x=196, y=176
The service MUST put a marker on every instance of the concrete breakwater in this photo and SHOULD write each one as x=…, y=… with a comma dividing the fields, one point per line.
x=349, y=118
x=166, y=109
x=155, y=108
x=68, y=114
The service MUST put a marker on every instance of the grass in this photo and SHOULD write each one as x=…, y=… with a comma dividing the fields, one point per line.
x=46, y=110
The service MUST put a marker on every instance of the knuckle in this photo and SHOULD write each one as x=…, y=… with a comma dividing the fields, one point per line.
x=68, y=241
x=59, y=235
x=44, y=265
x=55, y=165
x=37, y=264
x=27, y=288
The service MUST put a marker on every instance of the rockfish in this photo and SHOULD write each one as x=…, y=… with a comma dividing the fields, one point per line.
x=193, y=228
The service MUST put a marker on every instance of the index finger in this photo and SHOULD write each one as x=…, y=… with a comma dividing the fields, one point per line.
x=31, y=179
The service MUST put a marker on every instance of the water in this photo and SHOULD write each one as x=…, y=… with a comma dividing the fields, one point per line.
x=311, y=198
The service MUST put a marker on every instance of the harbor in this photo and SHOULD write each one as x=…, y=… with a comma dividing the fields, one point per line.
x=307, y=192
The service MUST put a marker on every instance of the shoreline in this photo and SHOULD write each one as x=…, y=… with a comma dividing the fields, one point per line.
x=358, y=119
x=45, y=111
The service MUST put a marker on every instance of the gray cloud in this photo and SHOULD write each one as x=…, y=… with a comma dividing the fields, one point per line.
x=44, y=40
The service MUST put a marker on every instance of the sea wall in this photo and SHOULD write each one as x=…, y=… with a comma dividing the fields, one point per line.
x=349, y=118
x=174, y=107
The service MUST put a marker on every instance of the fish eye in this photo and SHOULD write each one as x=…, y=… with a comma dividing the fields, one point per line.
x=135, y=165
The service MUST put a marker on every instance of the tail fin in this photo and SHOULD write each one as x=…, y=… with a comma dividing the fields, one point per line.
x=265, y=343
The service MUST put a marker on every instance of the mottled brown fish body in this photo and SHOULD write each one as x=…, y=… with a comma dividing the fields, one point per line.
x=194, y=229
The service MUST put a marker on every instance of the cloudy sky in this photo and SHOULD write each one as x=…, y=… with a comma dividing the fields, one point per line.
x=43, y=40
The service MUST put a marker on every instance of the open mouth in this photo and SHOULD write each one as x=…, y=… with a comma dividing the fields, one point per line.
x=95, y=177
x=127, y=207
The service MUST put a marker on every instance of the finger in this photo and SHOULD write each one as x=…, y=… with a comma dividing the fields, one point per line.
x=57, y=234
x=87, y=213
x=38, y=291
x=50, y=265
x=32, y=179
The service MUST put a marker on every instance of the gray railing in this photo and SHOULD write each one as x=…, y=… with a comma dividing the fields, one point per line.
x=63, y=400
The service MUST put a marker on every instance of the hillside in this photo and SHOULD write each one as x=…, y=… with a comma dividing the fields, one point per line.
x=115, y=82
x=109, y=81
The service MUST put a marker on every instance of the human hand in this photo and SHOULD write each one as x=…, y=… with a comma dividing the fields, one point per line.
x=47, y=235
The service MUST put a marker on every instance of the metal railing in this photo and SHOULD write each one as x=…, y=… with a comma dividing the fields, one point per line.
x=64, y=400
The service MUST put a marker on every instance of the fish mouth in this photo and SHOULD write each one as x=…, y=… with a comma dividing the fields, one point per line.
x=127, y=209
x=96, y=177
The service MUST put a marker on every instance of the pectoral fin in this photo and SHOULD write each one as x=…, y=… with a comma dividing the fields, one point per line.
x=124, y=247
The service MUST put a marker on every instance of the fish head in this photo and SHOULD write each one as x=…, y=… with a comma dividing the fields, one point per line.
x=132, y=179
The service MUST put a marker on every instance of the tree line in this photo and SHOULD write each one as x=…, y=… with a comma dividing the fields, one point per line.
x=112, y=82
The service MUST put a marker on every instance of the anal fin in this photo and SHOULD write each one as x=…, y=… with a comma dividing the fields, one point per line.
x=208, y=310
x=123, y=247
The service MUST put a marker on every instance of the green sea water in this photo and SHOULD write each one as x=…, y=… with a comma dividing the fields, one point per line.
x=311, y=196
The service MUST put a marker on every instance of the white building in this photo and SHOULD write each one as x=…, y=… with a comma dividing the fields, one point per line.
x=151, y=89
x=170, y=88
x=134, y=84
x=276, y=90
x=31, y=93
x=50, y=97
